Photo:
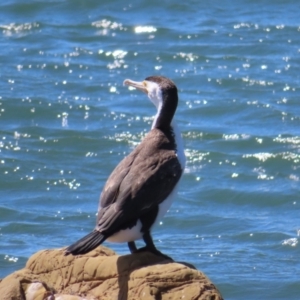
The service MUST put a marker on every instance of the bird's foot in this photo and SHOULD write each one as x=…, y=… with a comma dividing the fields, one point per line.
x=154, y=251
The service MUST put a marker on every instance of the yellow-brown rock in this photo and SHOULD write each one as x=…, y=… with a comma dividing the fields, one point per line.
x=103, y=275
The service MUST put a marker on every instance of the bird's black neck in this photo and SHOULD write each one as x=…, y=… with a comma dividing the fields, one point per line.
x=167, y=111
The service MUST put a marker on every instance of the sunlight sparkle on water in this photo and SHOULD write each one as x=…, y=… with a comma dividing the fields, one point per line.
x=290, y=242
x=144, y=29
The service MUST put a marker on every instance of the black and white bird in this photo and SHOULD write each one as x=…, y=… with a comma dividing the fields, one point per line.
x=142, y=187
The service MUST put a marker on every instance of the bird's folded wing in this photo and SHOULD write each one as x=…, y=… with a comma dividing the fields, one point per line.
x=136, y=186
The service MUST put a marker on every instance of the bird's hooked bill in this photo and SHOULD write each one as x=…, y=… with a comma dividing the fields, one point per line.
x=139, y=85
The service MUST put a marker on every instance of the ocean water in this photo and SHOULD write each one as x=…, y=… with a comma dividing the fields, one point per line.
x=66, y=120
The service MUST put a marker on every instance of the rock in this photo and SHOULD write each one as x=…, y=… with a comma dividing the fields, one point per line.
x=101, y=274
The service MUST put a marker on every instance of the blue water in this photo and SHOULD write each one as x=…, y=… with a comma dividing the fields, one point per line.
x=66, y=120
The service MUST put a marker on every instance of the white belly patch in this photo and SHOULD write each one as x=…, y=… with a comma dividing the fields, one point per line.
x=127, y=235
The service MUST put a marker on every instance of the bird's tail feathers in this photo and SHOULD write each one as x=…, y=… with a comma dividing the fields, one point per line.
x=86, y=244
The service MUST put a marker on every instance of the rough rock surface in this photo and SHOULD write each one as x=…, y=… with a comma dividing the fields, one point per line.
x=101, y=274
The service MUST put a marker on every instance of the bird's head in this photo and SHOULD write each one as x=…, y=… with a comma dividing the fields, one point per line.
x=163, y=94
